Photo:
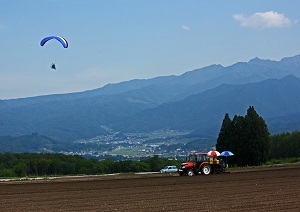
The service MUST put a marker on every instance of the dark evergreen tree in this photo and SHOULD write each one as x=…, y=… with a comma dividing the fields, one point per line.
x=238, y=140
x=225, y=137
x=247, y=137
x=257, y=133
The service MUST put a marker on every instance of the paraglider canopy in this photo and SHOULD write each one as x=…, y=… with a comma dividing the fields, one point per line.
x=62, y=40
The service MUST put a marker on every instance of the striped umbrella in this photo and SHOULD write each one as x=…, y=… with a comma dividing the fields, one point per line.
x=213, y=153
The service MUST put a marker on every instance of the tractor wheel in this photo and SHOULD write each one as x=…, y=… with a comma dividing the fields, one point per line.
x=206, y=169
x=190, y=172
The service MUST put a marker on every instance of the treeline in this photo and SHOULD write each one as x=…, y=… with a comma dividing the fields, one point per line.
x=285, y=145
x=34, y=164
x=249, y=139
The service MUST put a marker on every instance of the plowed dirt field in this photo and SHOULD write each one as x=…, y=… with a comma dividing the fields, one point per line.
x=271, y=189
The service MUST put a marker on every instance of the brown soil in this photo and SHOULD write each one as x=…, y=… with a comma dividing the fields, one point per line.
x=272, y=189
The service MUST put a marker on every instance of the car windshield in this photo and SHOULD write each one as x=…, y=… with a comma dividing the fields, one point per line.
x=170, y=167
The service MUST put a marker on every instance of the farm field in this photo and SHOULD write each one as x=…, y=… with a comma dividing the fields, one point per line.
x=271, y=189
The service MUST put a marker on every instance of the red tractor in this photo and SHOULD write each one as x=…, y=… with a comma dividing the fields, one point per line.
x=200, y=163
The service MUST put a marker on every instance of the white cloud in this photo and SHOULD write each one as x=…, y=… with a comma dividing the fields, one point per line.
x=269, y=19
x=184, y=27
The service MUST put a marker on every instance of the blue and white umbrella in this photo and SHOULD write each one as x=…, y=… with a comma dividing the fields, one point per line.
x=226, y=153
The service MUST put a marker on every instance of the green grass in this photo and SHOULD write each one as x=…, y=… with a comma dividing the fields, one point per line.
x=283, y=161
x=271, y=163
x=127, y=151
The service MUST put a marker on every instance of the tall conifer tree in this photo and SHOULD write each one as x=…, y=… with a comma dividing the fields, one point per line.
x=257, y=133
x=224, y=139
x=238, y=139
x=247, y=137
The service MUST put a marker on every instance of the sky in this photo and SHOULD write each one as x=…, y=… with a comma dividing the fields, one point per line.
x=111, y=41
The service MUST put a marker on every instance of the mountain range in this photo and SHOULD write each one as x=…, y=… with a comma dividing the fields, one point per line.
x=196, y=100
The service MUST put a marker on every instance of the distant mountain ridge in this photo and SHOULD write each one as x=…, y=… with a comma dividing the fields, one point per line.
x=196, y=100
x=205, y=111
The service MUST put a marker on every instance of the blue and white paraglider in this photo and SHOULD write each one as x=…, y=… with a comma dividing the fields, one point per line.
x=62, y=40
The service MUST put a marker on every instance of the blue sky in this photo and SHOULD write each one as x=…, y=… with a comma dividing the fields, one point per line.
x=117, y=40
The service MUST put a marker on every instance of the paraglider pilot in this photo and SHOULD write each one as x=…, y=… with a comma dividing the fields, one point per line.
x=53, y=66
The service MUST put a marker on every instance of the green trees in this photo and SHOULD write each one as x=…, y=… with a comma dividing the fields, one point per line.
x=33, y=164
x=247, y=137
x=285, y=145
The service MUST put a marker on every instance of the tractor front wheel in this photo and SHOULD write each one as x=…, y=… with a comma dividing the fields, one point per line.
x=190, y=172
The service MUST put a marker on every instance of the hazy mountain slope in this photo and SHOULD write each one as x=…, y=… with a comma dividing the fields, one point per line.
x=27, y=143
x=81, y=115
x=206, y=110
x=287, y=123
x=68, y=120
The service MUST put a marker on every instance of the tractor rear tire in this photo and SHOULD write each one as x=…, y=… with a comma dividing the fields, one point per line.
x=206, y=169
